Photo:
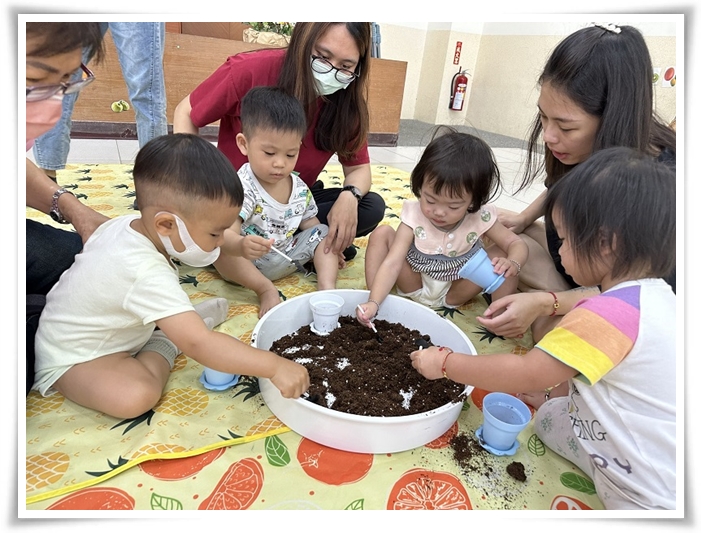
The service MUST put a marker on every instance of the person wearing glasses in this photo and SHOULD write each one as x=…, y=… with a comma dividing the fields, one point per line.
x=53, y=56
x=326, y=68
x=140, y=47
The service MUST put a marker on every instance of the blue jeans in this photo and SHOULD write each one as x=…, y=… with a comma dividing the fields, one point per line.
x=140, y=47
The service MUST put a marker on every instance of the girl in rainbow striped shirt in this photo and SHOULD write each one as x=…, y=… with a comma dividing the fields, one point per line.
x=611, y=361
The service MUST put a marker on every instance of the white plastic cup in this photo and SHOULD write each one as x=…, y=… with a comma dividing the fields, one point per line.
x=480, y=271
x=326, y=308
x=214, y=377
x=505, y=416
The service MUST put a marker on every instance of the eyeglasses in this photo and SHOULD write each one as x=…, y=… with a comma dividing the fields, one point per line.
x=42, y=92
x=324, y=66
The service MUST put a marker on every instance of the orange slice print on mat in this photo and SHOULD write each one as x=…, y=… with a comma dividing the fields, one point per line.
x=180, y=468
x=332, y=466
x=444, y=440
x=421, y=489
x=567, y=503
x=237, y=489
x=95, y=499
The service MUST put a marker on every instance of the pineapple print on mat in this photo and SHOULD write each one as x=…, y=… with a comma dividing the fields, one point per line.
x=38, y=404
x=45, y=469
x=270, y=424
x=180, y=402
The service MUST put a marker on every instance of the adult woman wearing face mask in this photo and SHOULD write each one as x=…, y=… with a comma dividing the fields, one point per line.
x=325, y=67
x=53, y=55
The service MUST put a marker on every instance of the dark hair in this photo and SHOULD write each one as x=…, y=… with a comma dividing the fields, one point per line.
x=461, y=163
x=625, y=198
x=609, y=75
x=273, y=109
x=344, y=121
x=62, y=37
x=189, y=166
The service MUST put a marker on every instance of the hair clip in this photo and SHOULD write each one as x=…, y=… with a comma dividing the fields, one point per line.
x=608, y=27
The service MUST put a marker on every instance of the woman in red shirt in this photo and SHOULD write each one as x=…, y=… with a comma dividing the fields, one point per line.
x=326, y=67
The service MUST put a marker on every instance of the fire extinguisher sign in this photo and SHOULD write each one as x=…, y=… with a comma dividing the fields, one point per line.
x=458, y=48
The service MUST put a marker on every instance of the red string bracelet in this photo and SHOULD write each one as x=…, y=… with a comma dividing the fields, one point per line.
x=556, y=304
x=445, y=360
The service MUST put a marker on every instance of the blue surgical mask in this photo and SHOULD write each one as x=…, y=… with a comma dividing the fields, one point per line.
x=193, y=255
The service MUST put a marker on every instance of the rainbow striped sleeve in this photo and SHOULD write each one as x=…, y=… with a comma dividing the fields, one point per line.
x=597, y=334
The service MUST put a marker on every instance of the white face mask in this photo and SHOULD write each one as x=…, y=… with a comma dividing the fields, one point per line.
x=193, y=255
x=327, y=83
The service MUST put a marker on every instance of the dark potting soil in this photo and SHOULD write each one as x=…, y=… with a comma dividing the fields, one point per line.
x=351, y=372
x=517, y=471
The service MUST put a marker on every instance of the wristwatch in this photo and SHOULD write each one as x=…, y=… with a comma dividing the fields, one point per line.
x=354, y=190
x=55, y=212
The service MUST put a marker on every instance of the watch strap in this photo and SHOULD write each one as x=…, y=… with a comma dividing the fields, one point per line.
x=354, y=191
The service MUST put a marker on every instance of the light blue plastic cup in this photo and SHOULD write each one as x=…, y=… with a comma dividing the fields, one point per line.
x=214, y=377
x=505, y=416
x=480, y=271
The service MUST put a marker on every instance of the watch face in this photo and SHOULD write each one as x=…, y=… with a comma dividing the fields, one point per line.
x=54, y=216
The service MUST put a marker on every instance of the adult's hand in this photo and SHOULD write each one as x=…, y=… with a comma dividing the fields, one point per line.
x=343, y=222
x=343, y=216
x=512, y=221
x=512, y=315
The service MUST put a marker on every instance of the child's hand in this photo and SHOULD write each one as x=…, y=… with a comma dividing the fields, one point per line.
x=291, y=378
x=254, y=247
x=429, y=361
x=503, y=266
x=365, y=313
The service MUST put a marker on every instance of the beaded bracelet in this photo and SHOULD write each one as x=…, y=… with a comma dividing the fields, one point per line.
x=373, y=301
x=518, y=266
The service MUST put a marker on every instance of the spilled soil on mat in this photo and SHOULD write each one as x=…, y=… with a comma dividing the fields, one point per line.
x=352, y=372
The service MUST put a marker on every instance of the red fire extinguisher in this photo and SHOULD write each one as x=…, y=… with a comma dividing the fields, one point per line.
x=457, y=90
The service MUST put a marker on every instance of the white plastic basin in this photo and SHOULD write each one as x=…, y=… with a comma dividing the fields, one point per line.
x=356, y=433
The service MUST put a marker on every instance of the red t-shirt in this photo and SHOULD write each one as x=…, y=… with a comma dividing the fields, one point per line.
x=219, y=98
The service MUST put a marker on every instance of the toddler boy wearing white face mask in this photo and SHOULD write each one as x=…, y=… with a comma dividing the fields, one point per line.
x=96, y=343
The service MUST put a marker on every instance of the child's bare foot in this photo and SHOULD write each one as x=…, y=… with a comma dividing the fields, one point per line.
x=268, y=300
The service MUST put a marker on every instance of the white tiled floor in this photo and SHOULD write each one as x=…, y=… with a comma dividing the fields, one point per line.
x=401, y=157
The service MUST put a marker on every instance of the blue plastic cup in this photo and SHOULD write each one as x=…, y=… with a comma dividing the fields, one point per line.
x=505, y=416
x=214, y=377
x=480, y=271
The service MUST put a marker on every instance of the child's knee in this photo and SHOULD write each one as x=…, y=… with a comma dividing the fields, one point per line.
x=381, y=235
x=141, y=397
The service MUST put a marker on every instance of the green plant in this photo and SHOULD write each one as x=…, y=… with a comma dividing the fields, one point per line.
x=282, y=28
